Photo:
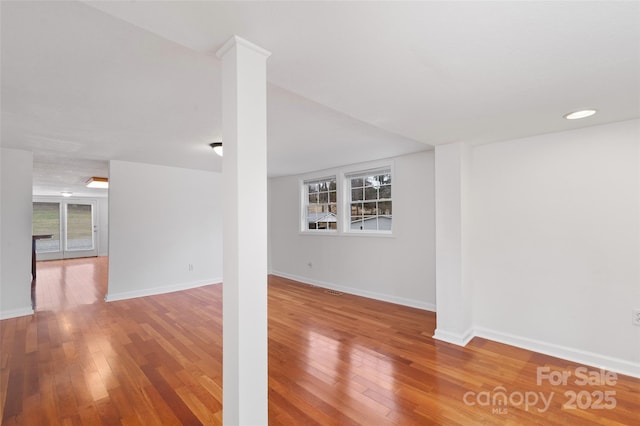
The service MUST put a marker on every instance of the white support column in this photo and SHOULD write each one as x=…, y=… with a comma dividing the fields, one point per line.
x=453, y=289
x=244, y=134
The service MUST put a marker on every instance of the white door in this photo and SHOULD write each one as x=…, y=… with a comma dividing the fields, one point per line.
x=72, y=224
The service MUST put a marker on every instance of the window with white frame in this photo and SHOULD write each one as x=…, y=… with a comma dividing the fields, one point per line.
x=370, y=203
x=320, y=210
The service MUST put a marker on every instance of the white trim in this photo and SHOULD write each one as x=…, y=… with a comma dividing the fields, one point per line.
x=460, y=339
x=160, y=290
x=14, y=313
x=426, y=306
x=570, y=354
x=239, y=41
x=334, y=233
x=356, y=173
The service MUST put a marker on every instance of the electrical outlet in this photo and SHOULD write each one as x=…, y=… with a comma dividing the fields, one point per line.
x=636, y=317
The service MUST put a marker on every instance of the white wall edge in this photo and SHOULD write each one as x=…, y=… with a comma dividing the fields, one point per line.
x=570, y=354
x=363, y=293
x=460, y=339
x=14, y=313
x=160, y=290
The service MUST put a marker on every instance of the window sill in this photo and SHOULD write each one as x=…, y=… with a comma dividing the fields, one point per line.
x=369, y=234
x=350, y=234
x=322, y=233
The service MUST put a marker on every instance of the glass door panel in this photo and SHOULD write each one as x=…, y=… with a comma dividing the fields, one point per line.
x=46, y=221
x=79, y=227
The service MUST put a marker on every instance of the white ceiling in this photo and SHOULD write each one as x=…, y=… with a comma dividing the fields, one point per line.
x=349, y=81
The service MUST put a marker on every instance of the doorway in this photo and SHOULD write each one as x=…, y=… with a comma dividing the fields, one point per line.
x=71, y=223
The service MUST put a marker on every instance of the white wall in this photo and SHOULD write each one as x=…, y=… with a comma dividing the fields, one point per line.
x=15, y=232
x=556, y=243
x=161, y=219
x=400, y=269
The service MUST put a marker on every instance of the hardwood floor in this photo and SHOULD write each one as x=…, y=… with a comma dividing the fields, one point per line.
x=333, y=360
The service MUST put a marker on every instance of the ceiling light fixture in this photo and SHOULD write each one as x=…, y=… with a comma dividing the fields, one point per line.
x=66, y=194
x=217, y=147
x=576, y=115
x=98, y=182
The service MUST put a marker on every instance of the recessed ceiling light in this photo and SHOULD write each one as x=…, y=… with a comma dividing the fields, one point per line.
x=583, y=113
x=66, y=194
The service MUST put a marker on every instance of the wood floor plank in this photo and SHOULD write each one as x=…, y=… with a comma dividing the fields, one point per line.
x=333, y=360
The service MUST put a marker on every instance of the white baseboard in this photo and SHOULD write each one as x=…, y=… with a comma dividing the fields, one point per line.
x=358, y=292
x=460, y=339
x=159, y=290
x=571, y=354
x=14, y=313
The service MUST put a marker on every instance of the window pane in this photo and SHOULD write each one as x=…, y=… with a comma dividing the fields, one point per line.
x=369, y=208
x=356, y=224
x=385, y=179
x=368, y=181
x=324, y=197
x=356, y=194
x=362, y=222
x=385, y=208
x=313, y=198
x=384, y=223
x=313, y=187
x=385, y=191
x=333, y=225
x=357, y=182
x=312, y=225
x=332, y=185
x=46, y=220
x=79, y=227
x=332, y=196
x=370, y=193
x=333, y=209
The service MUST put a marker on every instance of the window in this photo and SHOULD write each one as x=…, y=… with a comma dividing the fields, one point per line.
x=364, y=206
x=370, y=200
x=320, y=208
